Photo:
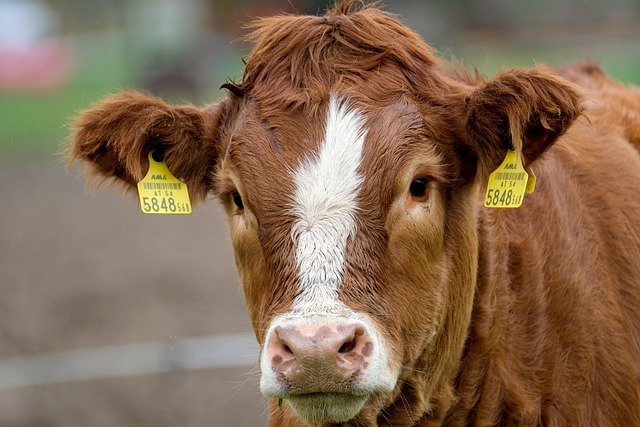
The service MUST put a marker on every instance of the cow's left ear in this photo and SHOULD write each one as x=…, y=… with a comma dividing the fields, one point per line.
x=519, y=109
x=115, y=136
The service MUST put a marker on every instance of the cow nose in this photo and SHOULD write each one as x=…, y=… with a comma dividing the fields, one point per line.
x=319, y=359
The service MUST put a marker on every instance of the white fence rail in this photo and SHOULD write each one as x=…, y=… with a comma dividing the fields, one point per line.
x=216, y=351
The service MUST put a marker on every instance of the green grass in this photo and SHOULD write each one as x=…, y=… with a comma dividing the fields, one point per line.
x=620, y=59
x=39, y=121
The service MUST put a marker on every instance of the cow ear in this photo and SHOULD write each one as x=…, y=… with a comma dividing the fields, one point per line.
x=115, y=137
x=525, y=110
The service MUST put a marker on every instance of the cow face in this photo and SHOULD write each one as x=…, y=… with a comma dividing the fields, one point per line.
x=352, y=198
x=342, y=250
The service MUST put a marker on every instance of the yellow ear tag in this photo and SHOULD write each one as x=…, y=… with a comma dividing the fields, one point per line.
x=507, y=184
x=162, y=193
x=531, y=183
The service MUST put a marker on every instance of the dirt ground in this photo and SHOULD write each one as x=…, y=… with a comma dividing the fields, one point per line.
x=81, y=270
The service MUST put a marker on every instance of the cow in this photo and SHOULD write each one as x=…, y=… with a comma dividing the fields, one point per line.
x=352, y=164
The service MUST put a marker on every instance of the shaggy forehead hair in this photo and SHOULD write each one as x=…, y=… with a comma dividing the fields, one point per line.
x=301, y=58
x=356, y=52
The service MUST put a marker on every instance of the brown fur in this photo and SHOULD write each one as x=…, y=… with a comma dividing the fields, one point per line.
x=521, y=316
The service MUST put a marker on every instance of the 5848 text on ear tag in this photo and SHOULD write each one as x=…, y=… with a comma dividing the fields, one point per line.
x=507, y=184
x=162, y=193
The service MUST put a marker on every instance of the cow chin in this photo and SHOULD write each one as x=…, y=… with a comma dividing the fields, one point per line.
x=319, y=408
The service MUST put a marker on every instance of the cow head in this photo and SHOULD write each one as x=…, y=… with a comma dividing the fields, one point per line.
x=350, y=167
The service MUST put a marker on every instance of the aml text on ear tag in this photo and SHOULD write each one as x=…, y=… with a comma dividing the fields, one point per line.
x=162, y=193
x=507, y=184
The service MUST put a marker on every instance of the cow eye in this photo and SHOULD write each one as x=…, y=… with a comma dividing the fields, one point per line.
x=418, y=187
x=237, y=200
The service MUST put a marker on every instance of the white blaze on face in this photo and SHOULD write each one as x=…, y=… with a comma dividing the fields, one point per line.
x=325, y=204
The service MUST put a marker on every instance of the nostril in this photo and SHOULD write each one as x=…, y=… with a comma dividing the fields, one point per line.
x=281, y=353
x=286, y=348
x=347, y=347
x=280, y=345
x=353, y=341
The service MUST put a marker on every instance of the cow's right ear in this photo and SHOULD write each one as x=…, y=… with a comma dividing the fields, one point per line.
x=116, y=135
x=522, y=109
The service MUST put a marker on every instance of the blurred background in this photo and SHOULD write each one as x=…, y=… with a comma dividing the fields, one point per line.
x=112, y=318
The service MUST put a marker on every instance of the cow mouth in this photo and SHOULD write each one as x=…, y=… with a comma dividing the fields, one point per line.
x=327, y=407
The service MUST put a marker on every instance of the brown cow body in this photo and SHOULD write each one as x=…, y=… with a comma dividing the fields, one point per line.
x=555, y=331
x=380, y=288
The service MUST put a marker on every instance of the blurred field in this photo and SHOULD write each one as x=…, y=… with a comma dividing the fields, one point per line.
x=81, y=270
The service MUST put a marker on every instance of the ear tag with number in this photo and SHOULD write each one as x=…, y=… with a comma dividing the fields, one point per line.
x=162, y=193
x=507, y=184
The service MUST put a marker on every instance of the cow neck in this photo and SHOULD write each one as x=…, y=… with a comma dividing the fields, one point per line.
x=488, y=335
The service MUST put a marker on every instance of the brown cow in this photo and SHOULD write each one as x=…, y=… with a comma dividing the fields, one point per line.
x=381, y=290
